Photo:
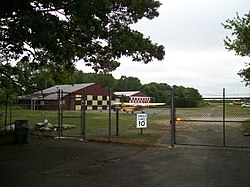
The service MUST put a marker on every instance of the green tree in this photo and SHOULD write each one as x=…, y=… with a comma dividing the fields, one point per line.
x=30, y=79
x=159, y=92
x=128, y=84
x=2, y=96
x=187, y=97
x=239, y=41
x=58, y=33
x=180, y=100
x=105, y=80
x=81, y=77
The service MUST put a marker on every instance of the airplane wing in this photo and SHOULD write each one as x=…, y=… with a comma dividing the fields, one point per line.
x=143, y=104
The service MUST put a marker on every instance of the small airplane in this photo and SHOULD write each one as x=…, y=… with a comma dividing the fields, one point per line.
x=131, y=107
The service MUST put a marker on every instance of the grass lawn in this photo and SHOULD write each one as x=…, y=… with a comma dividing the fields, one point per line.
x=97, y=124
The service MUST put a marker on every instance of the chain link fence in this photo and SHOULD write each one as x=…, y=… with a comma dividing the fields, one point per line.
x=215, y=121
x=50, y=119
x=218, y=121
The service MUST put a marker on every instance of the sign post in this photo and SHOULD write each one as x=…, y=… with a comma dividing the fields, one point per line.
x=141, y=121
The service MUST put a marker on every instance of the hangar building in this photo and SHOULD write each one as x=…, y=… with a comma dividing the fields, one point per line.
x=97, y=97
x=134, y=96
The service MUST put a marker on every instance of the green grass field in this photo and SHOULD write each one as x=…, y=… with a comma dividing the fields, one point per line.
x=97, y=123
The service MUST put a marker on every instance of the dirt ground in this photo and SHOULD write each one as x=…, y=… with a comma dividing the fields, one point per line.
x=61, y=162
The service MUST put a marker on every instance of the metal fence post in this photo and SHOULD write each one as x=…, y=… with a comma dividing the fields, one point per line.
x=83, y=115
x=173, y=117
x=224, y=118
x=110, y=114
x=6, y=109
x=59, y=112
x=117, y=122
x=61, y=106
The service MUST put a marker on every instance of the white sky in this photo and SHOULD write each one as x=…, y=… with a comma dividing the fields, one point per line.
x=192, y=35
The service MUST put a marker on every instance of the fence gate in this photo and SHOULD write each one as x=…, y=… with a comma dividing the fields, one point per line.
x=220, y=121
x=81, y=131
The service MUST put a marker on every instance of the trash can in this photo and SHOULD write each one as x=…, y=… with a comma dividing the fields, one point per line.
x=21, y=132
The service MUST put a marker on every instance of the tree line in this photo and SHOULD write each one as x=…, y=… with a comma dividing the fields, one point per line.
x=32, y=80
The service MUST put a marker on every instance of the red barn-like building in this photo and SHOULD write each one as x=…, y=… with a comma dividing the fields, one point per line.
x=97, y=97
x=134, y=96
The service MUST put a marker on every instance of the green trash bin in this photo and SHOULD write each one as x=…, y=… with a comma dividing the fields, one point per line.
x=21, y=132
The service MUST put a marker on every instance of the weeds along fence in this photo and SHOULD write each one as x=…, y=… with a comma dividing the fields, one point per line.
x=52, y=119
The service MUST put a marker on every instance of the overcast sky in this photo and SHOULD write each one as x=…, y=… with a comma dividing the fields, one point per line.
x=192, y=35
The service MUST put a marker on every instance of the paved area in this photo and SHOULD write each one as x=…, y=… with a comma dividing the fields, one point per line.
x=74, y=163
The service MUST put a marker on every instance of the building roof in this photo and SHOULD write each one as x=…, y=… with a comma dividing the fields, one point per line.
x=52, y=92
x=67, y=88
x=127, y=93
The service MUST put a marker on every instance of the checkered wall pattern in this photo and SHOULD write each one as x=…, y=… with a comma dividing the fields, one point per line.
x=93, y=102
x=139, y=99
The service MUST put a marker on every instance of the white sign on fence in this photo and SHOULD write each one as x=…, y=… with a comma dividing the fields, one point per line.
x=141, y=121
